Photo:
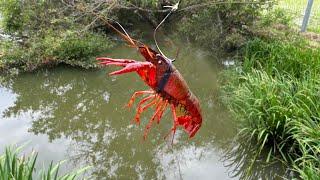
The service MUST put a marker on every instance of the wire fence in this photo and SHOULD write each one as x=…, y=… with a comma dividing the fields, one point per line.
x=296, y=8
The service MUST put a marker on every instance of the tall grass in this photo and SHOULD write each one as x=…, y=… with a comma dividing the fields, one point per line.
x=274, y=96
x=293, y=58
x=15, y=167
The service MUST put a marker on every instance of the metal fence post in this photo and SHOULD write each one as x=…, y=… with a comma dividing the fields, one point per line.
x=306, y=16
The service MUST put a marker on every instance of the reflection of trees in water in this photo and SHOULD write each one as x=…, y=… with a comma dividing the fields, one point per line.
x=61, y=100
x=75, y=105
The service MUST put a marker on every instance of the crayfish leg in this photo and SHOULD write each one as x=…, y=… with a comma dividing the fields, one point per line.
x=141, y=109
x=175, y=123
x=137, y=117
x=163, y=108
x=132, y=99
x=158, y=109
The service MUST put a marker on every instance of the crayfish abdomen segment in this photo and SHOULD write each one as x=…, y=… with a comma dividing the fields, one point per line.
x=177, y=92
x=176, y=87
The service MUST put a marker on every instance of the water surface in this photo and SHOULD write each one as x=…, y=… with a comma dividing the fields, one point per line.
x=79, y=115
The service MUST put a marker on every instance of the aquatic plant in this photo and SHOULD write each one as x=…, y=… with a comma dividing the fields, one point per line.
x=13, y=166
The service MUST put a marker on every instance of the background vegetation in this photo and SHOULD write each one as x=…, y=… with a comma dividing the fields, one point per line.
x=44, y=33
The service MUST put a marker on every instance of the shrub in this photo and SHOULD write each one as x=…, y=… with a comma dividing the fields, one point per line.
x=275, y=16
x=12, y=17
x=66, y=47
x=82, y=50
x=212, y=26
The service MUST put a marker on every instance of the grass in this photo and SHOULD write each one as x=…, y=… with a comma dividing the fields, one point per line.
x=274, y=96
x=297, y=9
x=291, y=58
x=13, y=166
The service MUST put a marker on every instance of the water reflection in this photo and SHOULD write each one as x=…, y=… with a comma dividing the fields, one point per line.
x=82, y=114
x=244, y=163
x=87, y=108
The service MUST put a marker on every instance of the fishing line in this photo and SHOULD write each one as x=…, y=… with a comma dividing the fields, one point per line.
x=173, y=8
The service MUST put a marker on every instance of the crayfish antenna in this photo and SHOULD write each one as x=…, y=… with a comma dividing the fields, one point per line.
x=177, y=54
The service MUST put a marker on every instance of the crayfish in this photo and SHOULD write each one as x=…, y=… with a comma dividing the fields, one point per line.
x=168, y=88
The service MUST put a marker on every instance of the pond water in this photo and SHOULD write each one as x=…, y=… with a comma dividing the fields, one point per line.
x=78, y=115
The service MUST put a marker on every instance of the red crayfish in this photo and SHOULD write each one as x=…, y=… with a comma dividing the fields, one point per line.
x=168, y=88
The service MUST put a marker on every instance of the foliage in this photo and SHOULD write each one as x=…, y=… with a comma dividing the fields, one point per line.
x=65, y=47
x=12, y=18
x=40, y=29
x=214, y=25
x=274, y=96
x=45, y=34
x=81, y=50
x=13, y=166
x=275, y=16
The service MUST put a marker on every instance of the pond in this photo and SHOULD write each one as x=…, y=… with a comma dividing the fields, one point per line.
x=79, y=115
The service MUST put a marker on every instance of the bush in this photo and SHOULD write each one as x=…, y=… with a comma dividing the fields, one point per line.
x=80, y=50
x=219, y=23
x=45, y=33
x=12, y=17
x=66, y=47
x=275, y=16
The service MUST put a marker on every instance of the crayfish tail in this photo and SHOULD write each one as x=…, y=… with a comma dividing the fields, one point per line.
x=190, y=125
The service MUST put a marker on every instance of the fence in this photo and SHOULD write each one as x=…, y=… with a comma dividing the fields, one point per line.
x=297, y=8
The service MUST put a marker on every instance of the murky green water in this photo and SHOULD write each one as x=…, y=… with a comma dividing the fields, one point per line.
x=79, y=115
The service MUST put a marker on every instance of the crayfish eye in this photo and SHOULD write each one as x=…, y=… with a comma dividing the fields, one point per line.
x=159, y=62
